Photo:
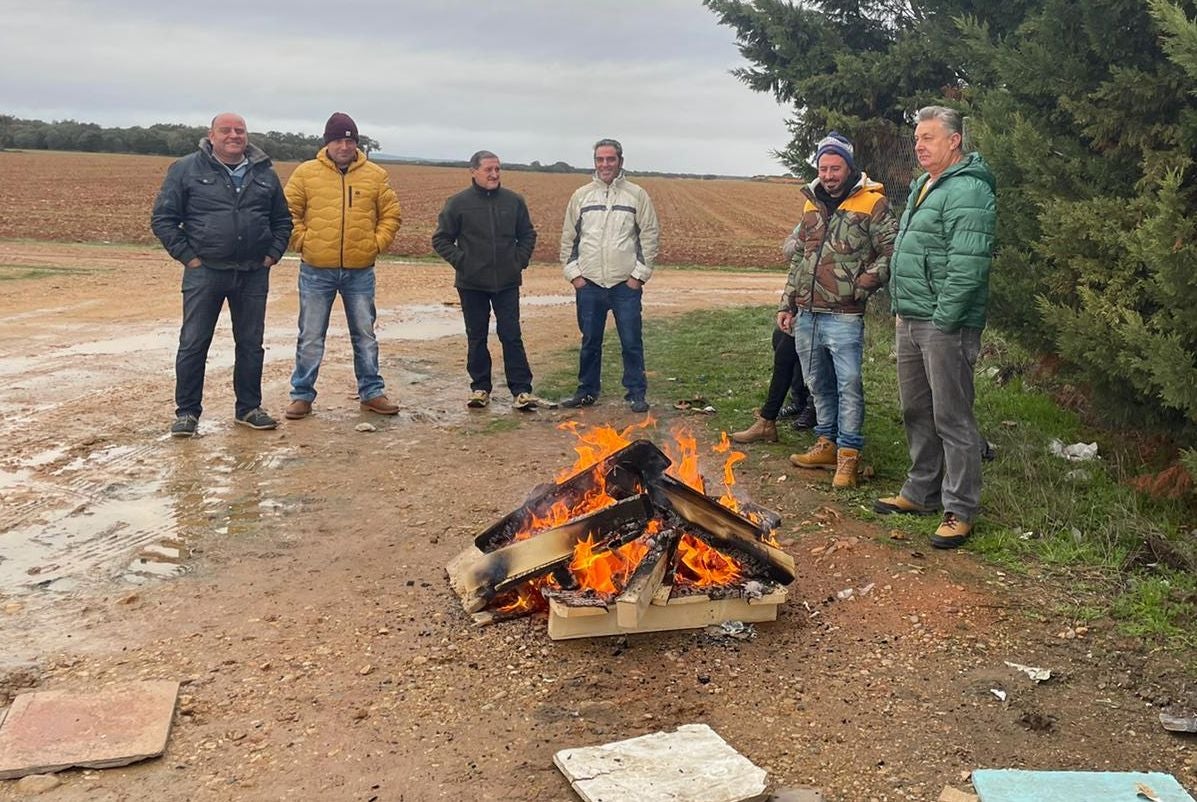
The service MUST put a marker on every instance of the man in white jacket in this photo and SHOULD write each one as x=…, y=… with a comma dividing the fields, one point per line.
x=608, y=244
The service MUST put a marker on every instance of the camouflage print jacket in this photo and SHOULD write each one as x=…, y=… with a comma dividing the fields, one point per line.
x=843, y=259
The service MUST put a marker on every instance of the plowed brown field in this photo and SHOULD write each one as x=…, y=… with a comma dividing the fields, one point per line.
x=85, y=197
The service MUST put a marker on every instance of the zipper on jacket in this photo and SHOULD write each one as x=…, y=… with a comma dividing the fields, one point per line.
x=351, y=196
x=342, y=265
x=494, y=237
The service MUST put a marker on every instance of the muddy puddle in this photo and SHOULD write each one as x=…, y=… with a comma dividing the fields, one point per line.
x=91, y=499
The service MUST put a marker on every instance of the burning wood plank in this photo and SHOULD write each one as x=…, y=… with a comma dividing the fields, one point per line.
x=724, y=528
x=625, y=472
x=518, y=562
x=642, y=585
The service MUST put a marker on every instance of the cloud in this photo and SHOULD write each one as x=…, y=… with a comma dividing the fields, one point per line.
x=531, y=80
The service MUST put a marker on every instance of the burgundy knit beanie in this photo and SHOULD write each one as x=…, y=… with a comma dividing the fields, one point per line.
x=340, y=126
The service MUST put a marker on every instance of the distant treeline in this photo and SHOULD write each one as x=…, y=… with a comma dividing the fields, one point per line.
x=175, y=139
x=160, y=139
x=555, y=167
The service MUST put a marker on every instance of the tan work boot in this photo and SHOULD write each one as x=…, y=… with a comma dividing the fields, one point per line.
x=380, y=404
x=820, y=455
x=952, y=533
x=760, y=429
x=846, y=460
x=298, y=409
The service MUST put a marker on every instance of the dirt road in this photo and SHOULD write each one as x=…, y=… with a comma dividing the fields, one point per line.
x=294, y=579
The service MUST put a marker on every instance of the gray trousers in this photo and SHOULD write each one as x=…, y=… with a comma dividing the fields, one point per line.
x=935, y=385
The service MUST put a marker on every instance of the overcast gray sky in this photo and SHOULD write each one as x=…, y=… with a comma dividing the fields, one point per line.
x=529, y=79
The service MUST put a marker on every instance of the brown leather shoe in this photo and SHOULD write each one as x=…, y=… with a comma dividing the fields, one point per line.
x=846, y=463
x=760, y=429
x=821, y=455
x=380, y=404
x=297, y=409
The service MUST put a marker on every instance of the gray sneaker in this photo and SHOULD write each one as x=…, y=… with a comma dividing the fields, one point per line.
x=257, y=419
x=184, y=426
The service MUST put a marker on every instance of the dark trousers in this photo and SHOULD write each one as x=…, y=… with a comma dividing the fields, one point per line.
x=204, y=292
x=475, y=308
x=624, y=303
x=787, y=376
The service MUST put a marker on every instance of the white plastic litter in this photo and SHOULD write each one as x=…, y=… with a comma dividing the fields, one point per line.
x=1077, y=452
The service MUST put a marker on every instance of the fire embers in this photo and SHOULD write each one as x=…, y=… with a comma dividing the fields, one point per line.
x=626, y=533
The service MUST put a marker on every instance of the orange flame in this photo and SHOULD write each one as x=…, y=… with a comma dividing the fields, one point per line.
x=597, y=443
x=606, y=572
x=703, y=566
x=685, y=462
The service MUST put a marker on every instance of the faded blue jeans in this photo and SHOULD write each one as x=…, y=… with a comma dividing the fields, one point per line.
x=318, y=288
x=830, y=347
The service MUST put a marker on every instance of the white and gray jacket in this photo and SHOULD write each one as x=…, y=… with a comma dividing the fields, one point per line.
x=610, y=233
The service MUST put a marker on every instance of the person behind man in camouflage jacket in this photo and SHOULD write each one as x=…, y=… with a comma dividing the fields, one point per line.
x=846, y=237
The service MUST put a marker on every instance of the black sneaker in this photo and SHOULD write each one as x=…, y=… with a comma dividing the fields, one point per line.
x=789, y=411
x=257, y=419
x=806, y=418
x=184, y=426
x=578, y=399
x=638, y=403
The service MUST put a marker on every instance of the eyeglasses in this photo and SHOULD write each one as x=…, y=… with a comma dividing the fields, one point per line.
x=228, y=129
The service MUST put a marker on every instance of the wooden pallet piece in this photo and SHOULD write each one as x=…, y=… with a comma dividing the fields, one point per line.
x=657, y=618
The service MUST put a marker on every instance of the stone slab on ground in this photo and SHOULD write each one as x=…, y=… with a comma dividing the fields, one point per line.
x=1016, y=785
x=48, y=731
x=692, y=763
x=797, y=794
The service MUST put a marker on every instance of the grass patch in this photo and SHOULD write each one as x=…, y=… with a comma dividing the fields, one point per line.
x=1074, y=520
x=20, y=272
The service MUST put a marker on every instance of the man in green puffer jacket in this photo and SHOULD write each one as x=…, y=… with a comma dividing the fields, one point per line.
x=939, y=285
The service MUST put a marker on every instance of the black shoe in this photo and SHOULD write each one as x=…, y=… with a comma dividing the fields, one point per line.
x=578, y=399
x=806, y=418
x=789, y=411
x=257, y=419
x=184, y=426
x=638, y=403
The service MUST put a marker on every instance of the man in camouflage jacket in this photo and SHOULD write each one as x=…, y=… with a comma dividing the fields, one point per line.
x=845, y=241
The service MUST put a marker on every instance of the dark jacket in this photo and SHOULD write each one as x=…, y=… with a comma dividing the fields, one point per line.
x=487, y=236
x=941, y=259
x=199, y=213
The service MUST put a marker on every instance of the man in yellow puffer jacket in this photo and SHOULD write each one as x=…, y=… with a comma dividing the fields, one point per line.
x=345, y=214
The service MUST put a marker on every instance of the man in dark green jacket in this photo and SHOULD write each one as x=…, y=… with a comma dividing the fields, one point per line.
x=939, y=286
x=486, y=234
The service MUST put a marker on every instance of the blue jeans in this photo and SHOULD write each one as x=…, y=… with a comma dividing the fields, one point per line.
x=624, y=303
x=831, y=347
x=204, y=293
x=318, y=288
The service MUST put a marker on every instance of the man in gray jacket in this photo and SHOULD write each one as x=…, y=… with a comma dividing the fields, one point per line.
x=221, y=213
x=608, y=244
x=486, y=234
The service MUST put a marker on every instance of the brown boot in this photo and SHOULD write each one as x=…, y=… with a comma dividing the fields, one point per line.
x=820, y=455
x=298, y=409
x=380, y=404
x=846, y=460
x=760, y=429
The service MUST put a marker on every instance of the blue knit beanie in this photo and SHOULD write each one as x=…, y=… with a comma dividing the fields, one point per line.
x=840, y=145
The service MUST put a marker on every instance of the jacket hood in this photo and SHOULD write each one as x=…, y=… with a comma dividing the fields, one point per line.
x=973, y=164
x=252, y=152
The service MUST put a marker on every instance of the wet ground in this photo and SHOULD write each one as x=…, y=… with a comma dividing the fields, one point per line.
x=294, y=580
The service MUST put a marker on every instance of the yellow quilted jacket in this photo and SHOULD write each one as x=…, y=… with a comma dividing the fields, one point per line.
x=341, y=219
